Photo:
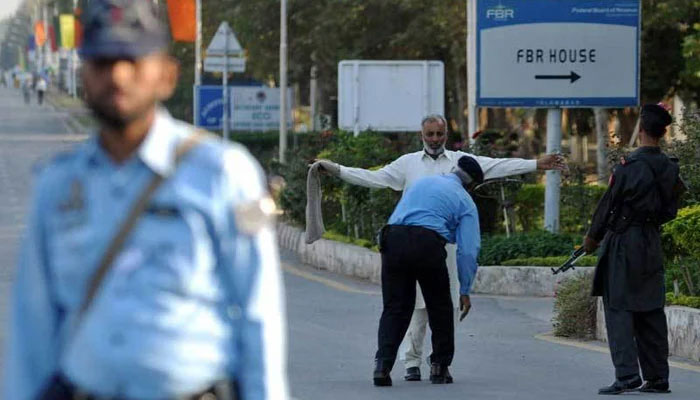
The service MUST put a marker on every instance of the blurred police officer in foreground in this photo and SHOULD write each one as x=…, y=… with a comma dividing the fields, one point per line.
x=434, y=211
x=643, y=194
x=191, y=306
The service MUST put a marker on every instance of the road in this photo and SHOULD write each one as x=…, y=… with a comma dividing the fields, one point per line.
x=333, y=320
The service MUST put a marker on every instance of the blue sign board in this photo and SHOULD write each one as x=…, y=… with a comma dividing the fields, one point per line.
x=210, y=107
x=557, y=53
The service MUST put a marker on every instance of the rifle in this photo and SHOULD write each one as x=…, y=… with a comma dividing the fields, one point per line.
x=569, y=264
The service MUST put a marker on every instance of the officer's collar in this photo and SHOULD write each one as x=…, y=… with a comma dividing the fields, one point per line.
x=158, y=148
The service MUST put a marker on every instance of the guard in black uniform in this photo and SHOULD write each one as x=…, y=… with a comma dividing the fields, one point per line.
x=643, y=194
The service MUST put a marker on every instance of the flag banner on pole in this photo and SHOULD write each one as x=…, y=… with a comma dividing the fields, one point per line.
x=183, y=23
x=78, y=28
x=39, y=33
x=56, y=22
x=67, y=31
x=31, y=43
x=52, y=39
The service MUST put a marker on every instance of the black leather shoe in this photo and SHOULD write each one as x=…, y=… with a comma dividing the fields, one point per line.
x=655, y=386
x=440, y=374
x=412, y=374
x=622, y=386
x=382, y=373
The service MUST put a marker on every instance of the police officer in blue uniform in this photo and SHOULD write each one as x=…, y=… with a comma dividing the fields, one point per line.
x=189, y=304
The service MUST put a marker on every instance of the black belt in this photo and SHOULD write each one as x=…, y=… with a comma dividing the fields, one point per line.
x=61, y=388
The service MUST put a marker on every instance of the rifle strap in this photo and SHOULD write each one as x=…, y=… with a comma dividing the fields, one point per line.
x=117, y=243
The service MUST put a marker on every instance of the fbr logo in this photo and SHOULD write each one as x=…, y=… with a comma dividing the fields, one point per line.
x=500, y=13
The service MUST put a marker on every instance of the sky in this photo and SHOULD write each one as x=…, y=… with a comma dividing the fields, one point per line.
x=8, y=7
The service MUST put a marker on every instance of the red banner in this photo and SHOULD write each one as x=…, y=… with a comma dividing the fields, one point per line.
x=183, y=21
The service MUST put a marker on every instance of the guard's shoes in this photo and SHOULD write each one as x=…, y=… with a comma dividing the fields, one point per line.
x=440, y=374
x=382, y=373
x=622, y=385
x=655, y=386
x=412, y=374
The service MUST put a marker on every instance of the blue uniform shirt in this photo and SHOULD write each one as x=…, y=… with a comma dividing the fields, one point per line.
x=194, y=296
x=441, y=204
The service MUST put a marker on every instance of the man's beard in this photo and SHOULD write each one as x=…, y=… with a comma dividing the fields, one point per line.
x=109, y=117
x=433, y=152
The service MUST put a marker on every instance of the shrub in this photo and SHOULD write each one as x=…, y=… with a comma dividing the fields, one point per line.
x=687, y=301
x=681, y=242
x=688, y=152
x=575, y=308
x=498, y=248
x=585, y=261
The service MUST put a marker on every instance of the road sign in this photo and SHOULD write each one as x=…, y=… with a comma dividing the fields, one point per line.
x=216, y=64
x=557, y=53
x=211, y=106
x=253, y=108
x=217, y=47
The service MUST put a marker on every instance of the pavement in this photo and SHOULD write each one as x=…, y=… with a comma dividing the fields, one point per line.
x=502, y=350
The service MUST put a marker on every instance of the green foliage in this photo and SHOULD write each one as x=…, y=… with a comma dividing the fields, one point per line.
x=681, y=242
x=575, y=308
x=498, y=248
x=687, y=301
x=578, y=202
x=688, y=153
x=330, y=235
x=585, y=261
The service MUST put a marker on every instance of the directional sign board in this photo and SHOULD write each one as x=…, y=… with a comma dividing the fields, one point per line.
x=224, y=35
x=557, y=53
x=216, y=64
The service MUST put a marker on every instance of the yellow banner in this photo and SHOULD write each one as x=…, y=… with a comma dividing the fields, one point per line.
x=67, y=22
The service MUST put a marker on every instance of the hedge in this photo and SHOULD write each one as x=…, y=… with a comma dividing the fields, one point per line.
x=575, y=308
x=585, y=261
x=687, y=301
x=499, y=248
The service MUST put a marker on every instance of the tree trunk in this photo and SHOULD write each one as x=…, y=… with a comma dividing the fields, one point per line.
x=601, y=129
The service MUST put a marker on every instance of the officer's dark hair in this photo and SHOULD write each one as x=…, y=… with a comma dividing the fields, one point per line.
x=654, y=120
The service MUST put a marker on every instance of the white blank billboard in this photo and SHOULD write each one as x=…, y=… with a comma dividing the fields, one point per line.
x=389, y=96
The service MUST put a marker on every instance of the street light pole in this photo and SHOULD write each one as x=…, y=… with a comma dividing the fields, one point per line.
x=283, y=81
x=197, y=60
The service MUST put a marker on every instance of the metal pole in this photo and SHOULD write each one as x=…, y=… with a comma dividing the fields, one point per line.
x=552, y=189
x=473, y=122
x=283, y=80
x=225, y=84
x=73, y=63
x=312, y=99
x=197, y=61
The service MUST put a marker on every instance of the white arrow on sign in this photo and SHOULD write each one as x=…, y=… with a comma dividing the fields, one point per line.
x=216, y=64
x=217, y=47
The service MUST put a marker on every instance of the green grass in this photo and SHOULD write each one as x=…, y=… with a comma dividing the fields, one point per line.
x=549, y=261
x=330, y=235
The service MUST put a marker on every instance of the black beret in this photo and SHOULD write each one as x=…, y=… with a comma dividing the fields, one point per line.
x=655, y=119
x=471, y=167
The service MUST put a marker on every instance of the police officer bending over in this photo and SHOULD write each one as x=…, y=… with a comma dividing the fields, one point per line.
x=643, y=194
x=433, y=211
x=183, y=304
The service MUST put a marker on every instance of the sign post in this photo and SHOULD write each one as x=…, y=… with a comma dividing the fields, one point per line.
x=222, y=45
x=556, y=54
